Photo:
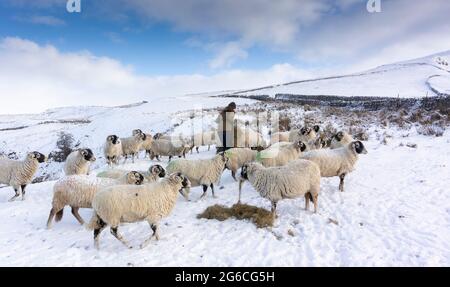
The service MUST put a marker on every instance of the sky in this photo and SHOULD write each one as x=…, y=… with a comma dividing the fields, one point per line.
x=121, y=51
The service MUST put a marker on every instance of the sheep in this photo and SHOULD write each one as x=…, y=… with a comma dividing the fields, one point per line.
x=77, y=191
x=203, y=139
x=18, y=174
x=147, y=145
x=163, y=147
x=128, y=204
x=79, y=161
x=154, y=172
x=279, y=137
x=305, y=134
x=237, y=157
x=112, y=150
x=336, y=162
x=278, y=156
x=136, y=132
x=298, y=178
x=204, y=172
x=132, y=145
x=340, y=139
x=250, y=138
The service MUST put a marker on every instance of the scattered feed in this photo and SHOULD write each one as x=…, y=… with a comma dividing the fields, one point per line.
x=257, y=215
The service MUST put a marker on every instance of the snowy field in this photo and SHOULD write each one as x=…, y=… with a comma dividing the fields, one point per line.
x=395, y=210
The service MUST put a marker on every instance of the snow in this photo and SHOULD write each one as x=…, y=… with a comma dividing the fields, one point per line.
x=404, y=80
x=395, y=210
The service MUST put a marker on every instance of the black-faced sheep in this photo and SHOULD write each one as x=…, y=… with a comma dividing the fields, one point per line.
x=18, y=174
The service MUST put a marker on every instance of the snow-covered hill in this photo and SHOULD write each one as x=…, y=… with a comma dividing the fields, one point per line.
x=428, y=76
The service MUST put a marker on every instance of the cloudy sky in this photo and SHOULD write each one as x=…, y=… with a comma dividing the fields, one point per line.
x=121, y=51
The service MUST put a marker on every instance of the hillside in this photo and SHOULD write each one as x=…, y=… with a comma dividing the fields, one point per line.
x=428, y=76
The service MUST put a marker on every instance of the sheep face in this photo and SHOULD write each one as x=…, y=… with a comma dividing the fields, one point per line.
x=178, y=177
x=300, y=146
x=339, y=136
x=157, y=170
x=137, y=132
x=316, y=128
x=87, y=154
x=305, y=131
x=358, y=147
x=244, y=172
x=113, y=139
x=37, y=156
x=134, y=177
x=225, y=158
x=141, y=136
x=157, y=136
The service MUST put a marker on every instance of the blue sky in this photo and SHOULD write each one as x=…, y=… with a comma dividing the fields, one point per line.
x=151, y=47
x=145, y=48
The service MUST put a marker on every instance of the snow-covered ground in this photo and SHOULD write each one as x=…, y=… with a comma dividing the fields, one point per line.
x=395, y=210
x=407, y=79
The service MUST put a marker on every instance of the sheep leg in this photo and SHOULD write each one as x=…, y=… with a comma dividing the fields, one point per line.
x=341, y=183
x=307, y=197
x=274, y=208
x=197, y=149
x=212, y=189
x=205, y=188
x=97, y=231
x=50, y=218
x=155, y=234
x=23, y=191
x=119, y=237
x=125, y=159
x=132, y=158
x=315, y=197
x=170, y=158
x=16, y=195
x=233, y=174
x=209, y=147
x=77, y=215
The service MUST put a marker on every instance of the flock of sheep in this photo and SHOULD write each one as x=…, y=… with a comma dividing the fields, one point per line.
x=290, y=167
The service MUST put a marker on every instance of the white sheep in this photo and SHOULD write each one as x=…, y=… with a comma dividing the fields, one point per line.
x=237, y=157
x=18, y=174
x=112, y=150
x=247, y=137
x=127, y=204
x=298, y=178
x=279, y=137
x=79, y=161
x=203, y=139
x=336, y=162
x=280, y=155
x=340, y=139
x=204, y=172
x=77, y=191
x=152, y=174
x=163, y=147
x=132, y=145
x=147, y=145
x=305, y=134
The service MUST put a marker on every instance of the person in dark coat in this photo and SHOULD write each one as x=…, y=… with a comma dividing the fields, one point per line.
x=226, y=127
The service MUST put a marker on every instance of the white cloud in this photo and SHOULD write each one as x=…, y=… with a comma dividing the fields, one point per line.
x=35, y=77
x=226, y=54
